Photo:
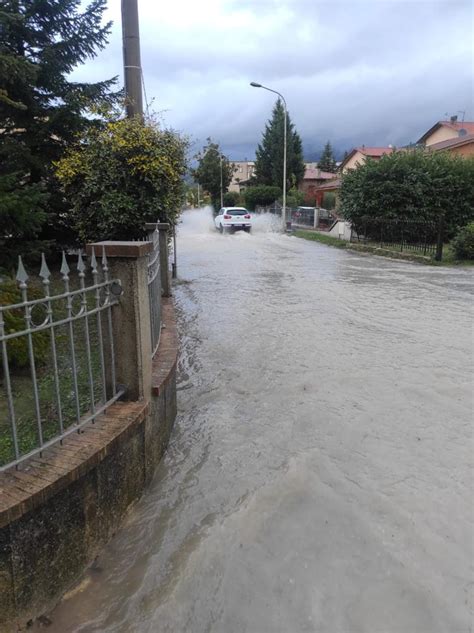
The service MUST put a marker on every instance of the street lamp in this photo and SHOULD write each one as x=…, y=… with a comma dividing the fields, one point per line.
x=222, y=188
x=254, y=84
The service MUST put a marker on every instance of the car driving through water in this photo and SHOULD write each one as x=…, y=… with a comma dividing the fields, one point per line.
x=233, y=219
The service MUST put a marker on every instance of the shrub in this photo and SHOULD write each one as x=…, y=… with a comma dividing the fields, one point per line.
x=121, y=176
x=231, y=199
x=14, y=322
x=294, y=198
x=329, y=200
x=411, y=185
x=463, y=243
x=261, y=195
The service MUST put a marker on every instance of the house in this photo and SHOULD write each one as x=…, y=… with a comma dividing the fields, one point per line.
x=243, y=171
x=312, y=179
x=461, y=145
x=330, y=186
x=359, y=155
x=446, y=131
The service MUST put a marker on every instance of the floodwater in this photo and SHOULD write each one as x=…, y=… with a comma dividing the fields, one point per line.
x=319, y=476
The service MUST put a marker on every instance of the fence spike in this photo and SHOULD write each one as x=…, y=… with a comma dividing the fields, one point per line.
x=64, y=266
x=80, y=264
x=93, y=261
x=44, y=271
x=21, y=275
x=104, y=260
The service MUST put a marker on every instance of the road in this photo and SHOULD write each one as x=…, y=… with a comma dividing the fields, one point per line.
x=319, y=476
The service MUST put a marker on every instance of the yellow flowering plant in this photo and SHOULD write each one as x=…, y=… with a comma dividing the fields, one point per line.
x=121, y=175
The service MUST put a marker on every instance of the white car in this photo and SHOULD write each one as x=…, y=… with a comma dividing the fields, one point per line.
x=233, y=219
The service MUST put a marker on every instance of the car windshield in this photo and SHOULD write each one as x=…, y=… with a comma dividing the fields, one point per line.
x=237, y=212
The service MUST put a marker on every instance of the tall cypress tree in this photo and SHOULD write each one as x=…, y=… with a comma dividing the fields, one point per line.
x=269, y=154
x=41, y=109
x=327, y=162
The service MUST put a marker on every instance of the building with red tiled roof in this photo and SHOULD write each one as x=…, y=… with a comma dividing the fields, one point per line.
x=461, y=145
x=313, y=177
x=445, y=131
x=359, y=155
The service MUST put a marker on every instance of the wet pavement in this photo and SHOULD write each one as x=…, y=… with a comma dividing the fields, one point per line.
x=319, y=476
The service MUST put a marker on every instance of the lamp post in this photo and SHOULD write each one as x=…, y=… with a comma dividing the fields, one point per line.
x=222, y=189
x=283, y=211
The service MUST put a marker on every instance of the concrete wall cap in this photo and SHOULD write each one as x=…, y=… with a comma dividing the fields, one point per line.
x=120, y=249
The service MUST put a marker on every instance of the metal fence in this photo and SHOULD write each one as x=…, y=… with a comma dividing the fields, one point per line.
x=58, y=358
x=154, y=289
x=403, y=235
x=302, y=216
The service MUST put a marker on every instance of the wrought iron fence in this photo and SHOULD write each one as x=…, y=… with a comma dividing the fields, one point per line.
x=414, y=236
x=58, y=357
x=154, y=289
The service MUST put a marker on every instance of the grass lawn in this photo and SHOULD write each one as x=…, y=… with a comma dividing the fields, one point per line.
x=448, y=254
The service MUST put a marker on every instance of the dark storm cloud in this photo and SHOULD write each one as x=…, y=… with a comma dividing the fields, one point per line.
x=373, y=72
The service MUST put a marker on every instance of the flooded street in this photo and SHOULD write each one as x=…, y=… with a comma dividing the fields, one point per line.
x=319, y=476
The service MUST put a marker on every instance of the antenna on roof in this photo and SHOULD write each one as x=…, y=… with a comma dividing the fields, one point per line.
x=463, y=112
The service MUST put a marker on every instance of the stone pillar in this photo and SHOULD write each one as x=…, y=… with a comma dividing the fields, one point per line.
x=128, y=262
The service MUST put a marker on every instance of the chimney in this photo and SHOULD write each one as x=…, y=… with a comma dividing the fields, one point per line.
x=454, y=118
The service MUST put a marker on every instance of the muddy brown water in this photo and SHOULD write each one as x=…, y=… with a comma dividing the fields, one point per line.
x=319, y=476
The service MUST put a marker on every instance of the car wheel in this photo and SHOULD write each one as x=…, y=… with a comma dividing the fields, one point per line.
x=221, y=228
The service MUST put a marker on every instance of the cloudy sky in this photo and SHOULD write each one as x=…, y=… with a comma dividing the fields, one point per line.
x=356, y=72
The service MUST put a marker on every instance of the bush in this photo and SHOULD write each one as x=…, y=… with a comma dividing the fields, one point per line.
x=261, y=195
x=294, y=198
x=463, y=243
x=329, y=200
x=231, y=199
x=121, y=176
x=411, y=185
x=14, y=322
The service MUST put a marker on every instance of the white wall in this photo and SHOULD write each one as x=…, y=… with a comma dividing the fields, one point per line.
x=341, y=230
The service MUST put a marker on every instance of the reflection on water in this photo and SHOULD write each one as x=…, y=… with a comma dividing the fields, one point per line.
x=318, y=473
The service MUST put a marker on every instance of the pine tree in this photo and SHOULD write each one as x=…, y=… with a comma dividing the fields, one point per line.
x=41, y=110
x=327, y=162
x=208, y=171
x=269, y=154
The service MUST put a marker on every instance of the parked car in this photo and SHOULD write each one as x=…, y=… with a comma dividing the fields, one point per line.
x=233, y=219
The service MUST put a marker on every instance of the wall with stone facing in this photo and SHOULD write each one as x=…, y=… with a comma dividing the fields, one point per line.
x=57, y=511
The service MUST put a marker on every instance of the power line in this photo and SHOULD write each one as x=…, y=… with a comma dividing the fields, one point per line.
x=144, y=93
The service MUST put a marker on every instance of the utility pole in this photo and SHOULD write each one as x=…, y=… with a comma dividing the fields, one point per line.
x=131, y=58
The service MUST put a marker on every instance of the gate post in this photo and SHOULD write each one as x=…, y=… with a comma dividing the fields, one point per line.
x=128, y=261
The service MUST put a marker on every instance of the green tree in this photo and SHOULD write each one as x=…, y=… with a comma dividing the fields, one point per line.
x=327, y=162
x=411, y=185
x=41, y=110
x=269, y=154
x=211, y=166
x=120, y=177
x=295, y=198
